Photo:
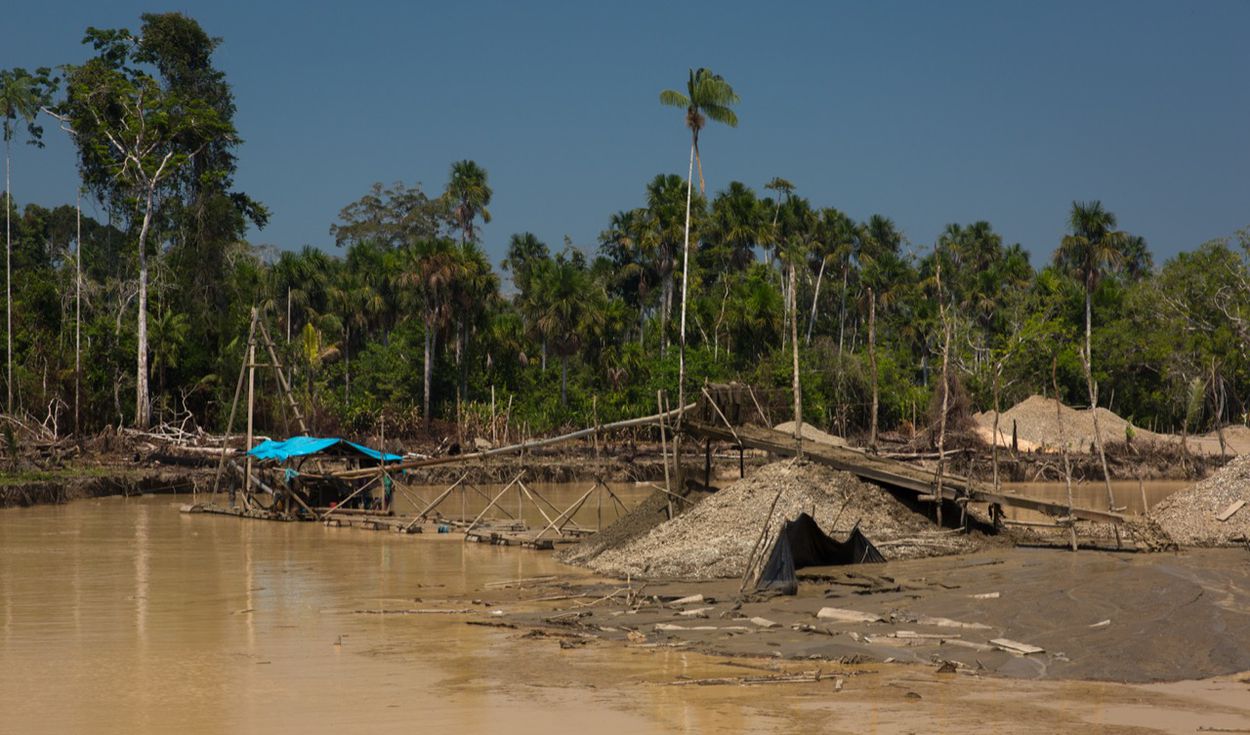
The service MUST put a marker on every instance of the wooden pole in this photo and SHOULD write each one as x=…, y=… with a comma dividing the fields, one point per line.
x=78, y=317
x=512, y=449
x=546, y=517
x=1063, y=441
x=433, y=504
x=251, y=386
x=570, y=510
x=234, y=407
x=506, y=488
x=707, y=462
x=668, y=486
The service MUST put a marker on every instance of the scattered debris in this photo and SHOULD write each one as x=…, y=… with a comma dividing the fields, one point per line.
x=840, y=615
x=1016, y=647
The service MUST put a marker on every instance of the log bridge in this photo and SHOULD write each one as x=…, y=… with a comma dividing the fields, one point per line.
x=889, y=472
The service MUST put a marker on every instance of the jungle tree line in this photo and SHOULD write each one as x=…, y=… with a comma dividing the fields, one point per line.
x=407, y=320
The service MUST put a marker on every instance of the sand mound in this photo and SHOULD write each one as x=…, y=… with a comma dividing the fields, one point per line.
x=811, y=434
x=1038, y=429
x=1189, y=515
x=1038, y=426
x=715, y=538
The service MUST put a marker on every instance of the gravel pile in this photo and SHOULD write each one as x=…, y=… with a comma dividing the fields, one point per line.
x=1189, y=515
x=714, y=539
x=645, y=516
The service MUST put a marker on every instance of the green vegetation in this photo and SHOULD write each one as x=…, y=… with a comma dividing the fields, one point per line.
x=409, y=322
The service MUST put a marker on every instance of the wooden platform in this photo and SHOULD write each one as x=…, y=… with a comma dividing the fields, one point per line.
x=889, y=472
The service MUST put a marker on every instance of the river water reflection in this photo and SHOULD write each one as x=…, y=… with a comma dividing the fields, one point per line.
x=124, y=616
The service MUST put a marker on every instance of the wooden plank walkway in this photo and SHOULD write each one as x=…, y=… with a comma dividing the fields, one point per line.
x=890, y=472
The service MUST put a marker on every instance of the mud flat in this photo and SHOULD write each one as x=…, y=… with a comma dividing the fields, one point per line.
x=1021, y=613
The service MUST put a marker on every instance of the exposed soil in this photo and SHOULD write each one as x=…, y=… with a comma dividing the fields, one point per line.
x=1039, y=426
x=74, y=484
x=1113, y=617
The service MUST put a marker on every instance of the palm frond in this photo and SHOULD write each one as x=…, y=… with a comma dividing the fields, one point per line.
x=673, y=98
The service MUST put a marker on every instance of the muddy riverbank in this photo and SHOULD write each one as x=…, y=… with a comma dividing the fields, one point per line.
x=1092, y=615
x=67, y=484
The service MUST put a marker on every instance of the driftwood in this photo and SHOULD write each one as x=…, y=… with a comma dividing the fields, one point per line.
x=807, y=677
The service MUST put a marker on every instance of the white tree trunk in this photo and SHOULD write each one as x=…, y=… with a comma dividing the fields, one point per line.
x=143, y=406
x=872, y=367
x=842, y=310
x=78, y=314
x=685, y=268
x=427, y=369
x=8, y=275
x=794, y=344
x=815, y=297
x=1093, y=406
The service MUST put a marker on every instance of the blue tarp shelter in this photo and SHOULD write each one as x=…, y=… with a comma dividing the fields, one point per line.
x=303, y=446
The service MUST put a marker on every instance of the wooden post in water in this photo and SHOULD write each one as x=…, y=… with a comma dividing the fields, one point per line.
x=251, y=397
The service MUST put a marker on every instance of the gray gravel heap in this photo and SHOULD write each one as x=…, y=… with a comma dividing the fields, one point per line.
x=1189, y=515
x=645, y=516
x=714, y=539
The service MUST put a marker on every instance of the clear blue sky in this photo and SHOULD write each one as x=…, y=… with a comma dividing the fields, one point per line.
x=928, y=113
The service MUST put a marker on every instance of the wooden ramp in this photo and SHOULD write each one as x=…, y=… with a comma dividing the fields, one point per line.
x=889, y=472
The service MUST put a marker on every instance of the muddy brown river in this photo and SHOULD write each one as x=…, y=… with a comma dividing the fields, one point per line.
x=121, y=615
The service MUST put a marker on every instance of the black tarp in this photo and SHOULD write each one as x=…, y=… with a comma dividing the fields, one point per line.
x=801, y=543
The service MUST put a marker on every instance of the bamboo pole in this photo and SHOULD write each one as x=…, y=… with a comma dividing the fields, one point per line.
x=512, y=449
x=571, y=510
x=434, y=503
x=234, y=405
x=506, y=488
x=358, y=491
x=668, y=485
x=546, y=517
x=251, y=386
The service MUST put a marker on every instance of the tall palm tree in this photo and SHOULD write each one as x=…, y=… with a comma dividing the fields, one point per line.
x=474, y=289
x=573, y=307
x=22, y=96
x=1093, y=247
x=429, y=267
x=469, y=195
x=660, y=237
x=836, y=239
x=708, y=96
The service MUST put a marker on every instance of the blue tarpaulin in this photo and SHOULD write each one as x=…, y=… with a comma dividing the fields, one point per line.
x=302, y=446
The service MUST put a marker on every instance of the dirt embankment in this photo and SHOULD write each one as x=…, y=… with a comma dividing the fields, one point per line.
x=62, y=486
